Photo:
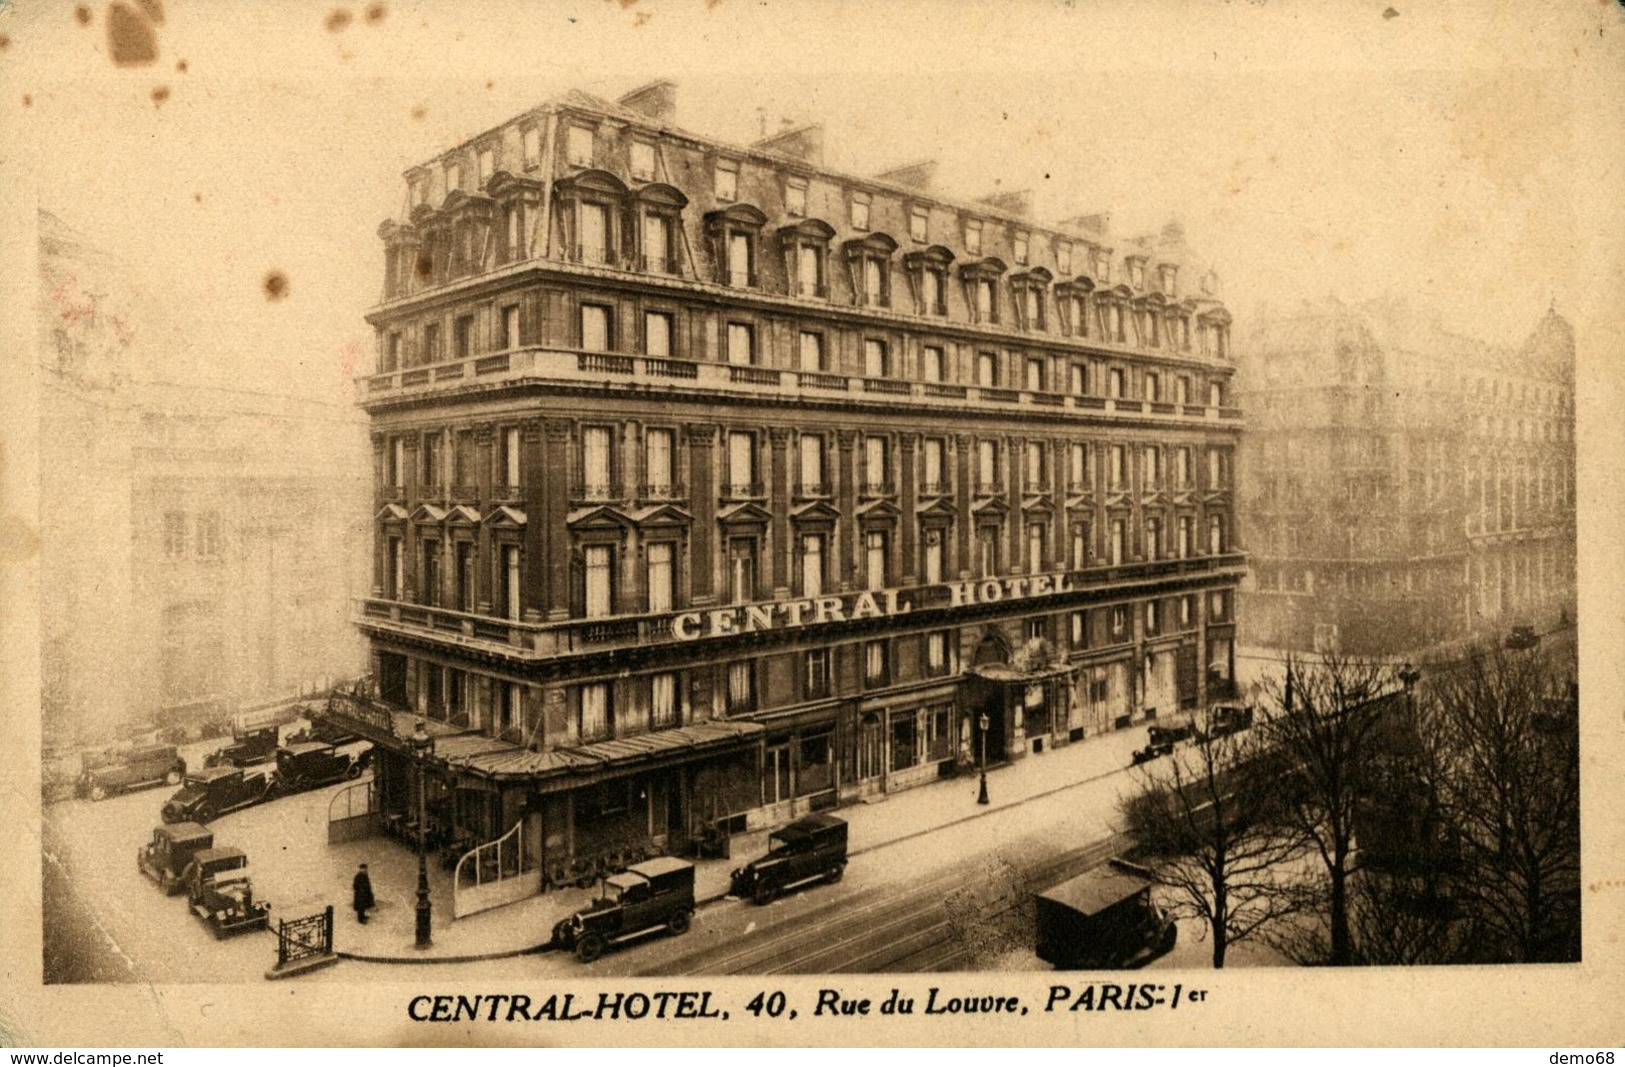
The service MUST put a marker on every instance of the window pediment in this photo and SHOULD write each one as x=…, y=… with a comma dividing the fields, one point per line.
x=1152, y=301
x=941, y=508
x=1216, y=315
x=1038, y=504
x=980, y=269
x=747, y=215
x=598, y=517
x=936, y=256
x=429, y=514
x=744, y=514
x=817, y=512
x=392, y=513
x=393, y=232
x=992, y=507
x=422, y=214
x=1039, y=276
x=666, y=515
x=662, y=194
x=504, y=184
x=463, y=515
x=461, y=203
x=505, y=516
x=593, y=180
x=877, y=244
x=807, y=229
x=878, y=510
x=1078, y=286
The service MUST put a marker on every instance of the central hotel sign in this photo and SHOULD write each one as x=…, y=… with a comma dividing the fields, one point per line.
x=851, y=607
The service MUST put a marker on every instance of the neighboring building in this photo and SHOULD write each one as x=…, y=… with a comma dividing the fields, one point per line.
x=199, y=541
x=714, y=486
x=1405, y=487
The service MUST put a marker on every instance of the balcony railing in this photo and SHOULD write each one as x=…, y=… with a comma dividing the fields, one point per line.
x=933, y=488
x=608, y=368
x=813, y=490
x=592, y=491
x=873, y=489
x=663, y=491
x=743, y=490
x=508, y=492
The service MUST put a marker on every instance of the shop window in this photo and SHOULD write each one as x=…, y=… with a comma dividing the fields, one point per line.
x=904, y=740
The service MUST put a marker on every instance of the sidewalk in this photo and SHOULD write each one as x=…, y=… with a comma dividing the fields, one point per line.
x=527, y=925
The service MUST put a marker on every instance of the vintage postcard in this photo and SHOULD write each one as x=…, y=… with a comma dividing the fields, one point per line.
x=691, y=522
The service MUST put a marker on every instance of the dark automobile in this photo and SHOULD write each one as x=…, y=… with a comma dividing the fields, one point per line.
x=1160, y=741
x=311, y=764
x=1522, y=637
x=167, y=856
x=221, y=892
x=656, y=894
x=321, y=726
x=215, y=791
x=1103, y=919
x=812, y=847
x=246, y=749
x=137, y=768
x=1223, y=719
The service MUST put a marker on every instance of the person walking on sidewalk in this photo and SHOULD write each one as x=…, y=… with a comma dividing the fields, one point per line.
x=361, y=894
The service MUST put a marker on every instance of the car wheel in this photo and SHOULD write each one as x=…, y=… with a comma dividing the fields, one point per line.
x=589, y=948
x=353, y=770
x=679, y=922
x=835, y=873
x=173, y=777
x=764, y=893
x=98, y=792
x=204, y=814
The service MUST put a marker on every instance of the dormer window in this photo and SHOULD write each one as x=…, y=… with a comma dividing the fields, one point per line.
x=860, y=211
x=659, y=208
x=795, y=197
x=1030, y=288
x=928, y=276
x=918, y=224
x=806, y=252
x=643, y=161
x=725, y=180
x=590, y=208
x=869, y=260
x=982, y=291
x=578, y=146
x=1063, y=257
x=1072, y=298
x=1022, y=247
x=733, y=234
x=973, y=236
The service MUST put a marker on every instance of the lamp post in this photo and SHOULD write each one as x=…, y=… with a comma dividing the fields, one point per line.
x=981, y=796
x=421, y=744
x=1408, y=677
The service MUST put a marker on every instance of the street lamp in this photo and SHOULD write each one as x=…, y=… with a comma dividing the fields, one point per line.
x=1408, y=677
x=421, y=744
x=981, y=797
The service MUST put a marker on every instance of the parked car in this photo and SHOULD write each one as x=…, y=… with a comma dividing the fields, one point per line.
x=656, y=894
x=311, y=764
x=137, y=768
x=246, y=749
x=1223, y=719
x=1160, y=741
x=1103, y=919
x=167, y=856
x=221, y=893
x=321, y=726
x=812, y=847
x=1522, y=637
x=214, y=791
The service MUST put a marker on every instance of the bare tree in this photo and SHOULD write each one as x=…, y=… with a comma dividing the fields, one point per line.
x=1324, y=729
x=1507, y=721
x=1208, y=826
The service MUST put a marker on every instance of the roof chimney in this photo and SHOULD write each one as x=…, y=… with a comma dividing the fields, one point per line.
x=1016, y=202
x=805, y=143
x=658, y=100
x=917, y=176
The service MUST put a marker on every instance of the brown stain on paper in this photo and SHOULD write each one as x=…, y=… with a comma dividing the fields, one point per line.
x=159, y=95
x=130, y=37
x=19, y=541
x=338, y=20
x=276, y=286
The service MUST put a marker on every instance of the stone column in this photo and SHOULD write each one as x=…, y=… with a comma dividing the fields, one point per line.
x=547, y=495
x=963, y=520
x=1014, y=490
x=485, y=478
x=907, y=444
x=847, y=503
x=702, y=562
x=779, y=504
x=379, y=562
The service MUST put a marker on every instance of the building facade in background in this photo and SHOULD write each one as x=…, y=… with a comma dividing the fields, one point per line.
x=1405, y=487
x=199, y=540
x=714, y=486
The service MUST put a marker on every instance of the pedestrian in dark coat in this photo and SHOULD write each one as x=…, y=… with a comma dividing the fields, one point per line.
x=362, y=894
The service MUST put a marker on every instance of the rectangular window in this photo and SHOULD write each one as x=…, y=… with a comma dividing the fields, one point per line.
x=1182, y=467
x=1034, y=466
x=1077, y=379
x=874, y=559
x=462, y=336
x=465, y=576
x=1036, y=532
x=661, y=576
x=874, y=282
x=817, y=673
x=739, y=259
x=987, y=464
x=935, y=364
x=510, y=583
x=1080, y=629
x=917, y=224
x=433, y=469
x=394, y=567
x=594, y=328
x=1063, y=258
x=809, y=270
x=1114, y=381
x=1187, y=612
x=1215, y=394
x=1187, y=536
x=1153, y=467
x=934, y=457
x=1153, y=538
x=1080, y=316
x=1218, y=606
x=811, y=447
x=1215, y=469
x=1120, y=621
x=510, y=458
x=741, y=687
x=1153, y=617
x=1215, y=535
x=875, y=472
x=1119, y=468
x=600, y=569
x=1035, y=375
x=643, y=161
x=1022, y=242
x=932, y=293
x=987, y=544
x=578, y=146
x=810, y=352
x=592, y=241
x=741, y=570
x=860, y=211
x=510, y=326
x=741, y=463
x=1182, y=390
x=876, y=663
x=1080, y=544
x=1078, y=466
x=431, y=573
x=936, y=653
x=876, y=358
x=662, y=701
x=973, y=236
x=594, y=724
x=933, y=557
x=987, y=368
x=812, y=564
x=1032, y=307
x=1119, y=541
x=741, y=344
x=532, y=146
x=985, y=310
x=657, y=333
x=454, y=177
x=487, y=164
x=658, y=466
x=1153, y=388
x=795, y=197
x=175, y=536
x=597, y=471
x=726, y=181
x=658, y=253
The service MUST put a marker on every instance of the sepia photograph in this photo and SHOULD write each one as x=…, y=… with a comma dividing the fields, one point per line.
x=951, y=523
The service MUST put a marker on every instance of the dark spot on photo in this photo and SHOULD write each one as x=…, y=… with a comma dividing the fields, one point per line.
x=159, y=95
x=197, y=198
x=28, y=101
x=82, y=13
x=180, y=67
x=419, y=111
x=129, y=37
x=376, y=13
x=154, y=10
x=276, y=285
x=338, y=20
x=1390, y=13
x=5, y=42
x=424, y=265
x=490, y=85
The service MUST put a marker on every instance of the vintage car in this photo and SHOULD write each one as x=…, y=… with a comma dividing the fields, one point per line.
x=1224, y=719
x=215, y=791
x=221, y=892
x=1104, y=919
x=311, y=764
x=1160, y=741
x=656, y=894
x=323, y=727
x=167, y=856
x=137, y=768
x=247, y=748
x=812, y=847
